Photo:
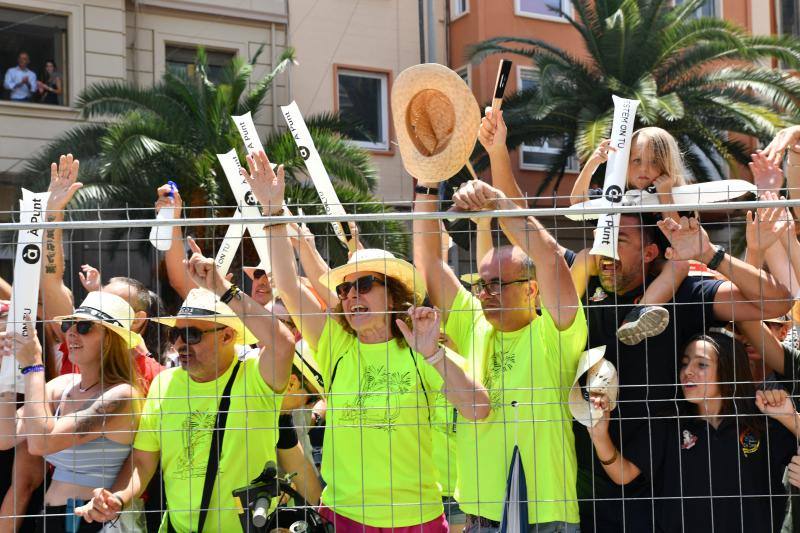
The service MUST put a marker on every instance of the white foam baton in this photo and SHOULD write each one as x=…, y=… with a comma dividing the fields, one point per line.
x=605, y=238
x=316, y=170
x=25, y=291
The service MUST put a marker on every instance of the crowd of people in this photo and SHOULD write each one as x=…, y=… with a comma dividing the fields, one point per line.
x=22, y=84
x=647, y=392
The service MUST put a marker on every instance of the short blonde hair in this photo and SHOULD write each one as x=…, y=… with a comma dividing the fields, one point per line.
x=665, y=152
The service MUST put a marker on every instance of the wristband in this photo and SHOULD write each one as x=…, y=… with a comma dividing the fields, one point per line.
x=430, y=191
x=610, y=461
x=717, y=259
x=119, y=499
x=287, y=436
x=32, y=368
x=436, y=357
x=232, y=292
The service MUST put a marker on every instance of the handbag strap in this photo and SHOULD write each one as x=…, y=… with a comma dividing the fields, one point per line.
x=217, y=437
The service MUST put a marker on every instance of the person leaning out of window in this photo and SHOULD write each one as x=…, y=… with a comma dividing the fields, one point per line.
x=49, y=91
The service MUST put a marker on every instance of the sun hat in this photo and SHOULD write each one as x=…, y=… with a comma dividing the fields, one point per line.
x=382, y=262
x=111, y=312
x=601, y=379
x=783, y=319
x=304, y=362
x=202, y=304
x=436, y=119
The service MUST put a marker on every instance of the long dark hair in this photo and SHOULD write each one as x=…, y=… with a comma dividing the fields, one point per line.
x=734, y=378
x=401, y=298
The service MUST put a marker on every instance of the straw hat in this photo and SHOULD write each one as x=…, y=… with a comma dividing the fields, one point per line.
x=601, y=379
x=111, y=312
x=304, y=362
x=783, y=319
x=381, y=261
x=202, y=304
x=436, y=119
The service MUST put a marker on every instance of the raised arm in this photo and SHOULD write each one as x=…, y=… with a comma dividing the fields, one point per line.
x=583, y=267
x=293, y=460
x=312, y=262
x=442, y=283
x=760, y=338
x=619, y=469
x=277, y=342
x=580, y=190
x=492, y=136
x=56, y=297
x=175, y=256
x=556, y=288
x=268, y=189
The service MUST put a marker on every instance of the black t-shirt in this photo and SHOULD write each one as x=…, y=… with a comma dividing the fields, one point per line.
x=704, y=479
x=647, y=375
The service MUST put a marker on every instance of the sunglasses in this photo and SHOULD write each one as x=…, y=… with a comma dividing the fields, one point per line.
x=494, y=287
x=362, y=285
x=81, y=326
x=190, y=335
x=258, y=273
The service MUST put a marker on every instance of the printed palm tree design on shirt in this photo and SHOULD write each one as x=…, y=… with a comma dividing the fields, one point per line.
x=377, y=405
x=195, y=433
x=500, y=363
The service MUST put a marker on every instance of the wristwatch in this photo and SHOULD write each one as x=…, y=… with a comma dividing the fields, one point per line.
x=717, y=259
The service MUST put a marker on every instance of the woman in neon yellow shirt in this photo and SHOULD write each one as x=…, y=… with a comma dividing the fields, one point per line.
x=382, y=365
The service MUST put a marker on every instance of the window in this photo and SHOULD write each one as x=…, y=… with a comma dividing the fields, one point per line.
x=181, y=60
x=788, y=17
x=363, y=97
x=466, y=74
x=542, y=8
x=43, y=39
x=708, y=9
x=458, y=8
x=539, y=156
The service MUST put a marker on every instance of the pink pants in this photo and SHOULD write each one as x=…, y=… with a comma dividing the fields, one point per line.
x=345, y=525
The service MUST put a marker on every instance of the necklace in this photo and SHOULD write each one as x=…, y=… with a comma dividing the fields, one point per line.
x=87, y=388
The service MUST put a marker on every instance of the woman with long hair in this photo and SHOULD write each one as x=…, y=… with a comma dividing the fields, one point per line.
x=382, y=365
x=83, y=423
x=715, y=462
x=51, y=89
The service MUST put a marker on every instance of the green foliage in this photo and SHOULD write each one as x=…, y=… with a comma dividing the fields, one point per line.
x=700, y=79
x=140, y=137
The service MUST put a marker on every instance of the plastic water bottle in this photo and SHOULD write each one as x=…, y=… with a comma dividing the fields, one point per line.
x=161, y=236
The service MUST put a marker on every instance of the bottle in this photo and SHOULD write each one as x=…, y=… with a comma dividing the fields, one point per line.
x=161, y=236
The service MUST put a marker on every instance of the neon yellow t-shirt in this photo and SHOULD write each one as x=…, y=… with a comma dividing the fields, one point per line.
x=177, y=420
x=445, y=417
x=535, y=367
x=377, y=458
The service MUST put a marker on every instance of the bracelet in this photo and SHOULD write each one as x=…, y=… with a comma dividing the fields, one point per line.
x=32, y=368
x=610, y=461
x=232, y=292
x=118, y=498
x=717, y=259
x=436, y=357
x=430, y=191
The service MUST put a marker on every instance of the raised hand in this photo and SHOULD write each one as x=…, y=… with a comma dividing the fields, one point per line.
x=165, y=201
x=424, y=336
x=767, y=176
x=90, y=278
x=354, y=244
x=103, y=507
x=267, y=186
x=786, y=138
x=477, y=195
x=63, y=182
x=688, y=239
x=767, y=225
x=26, y=350
x=204, y=272
x=775, y=403
x=600, y=154
x=493, y=131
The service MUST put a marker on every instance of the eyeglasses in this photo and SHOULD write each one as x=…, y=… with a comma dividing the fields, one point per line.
x=258, y=273
x=190, y=335
x=81, y=326
x=362, y=285
x=493, y=287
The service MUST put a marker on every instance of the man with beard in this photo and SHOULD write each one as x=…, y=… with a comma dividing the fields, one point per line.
x=648, y=371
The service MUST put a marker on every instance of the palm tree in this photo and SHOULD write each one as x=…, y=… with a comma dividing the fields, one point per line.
x=701, y=79
x=138, y=138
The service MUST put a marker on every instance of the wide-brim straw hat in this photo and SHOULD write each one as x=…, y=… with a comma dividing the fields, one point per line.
x=601, y=378
x=202, y=304
x=304, y=362
x=382, y=262
x=111, y=312
x=436, y=118
x=783, y=319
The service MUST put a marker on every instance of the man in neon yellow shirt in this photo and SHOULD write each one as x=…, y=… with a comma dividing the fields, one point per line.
x=522, y=359
x=178, y=417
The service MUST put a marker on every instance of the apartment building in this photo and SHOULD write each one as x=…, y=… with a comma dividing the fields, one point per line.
x=473, y=21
